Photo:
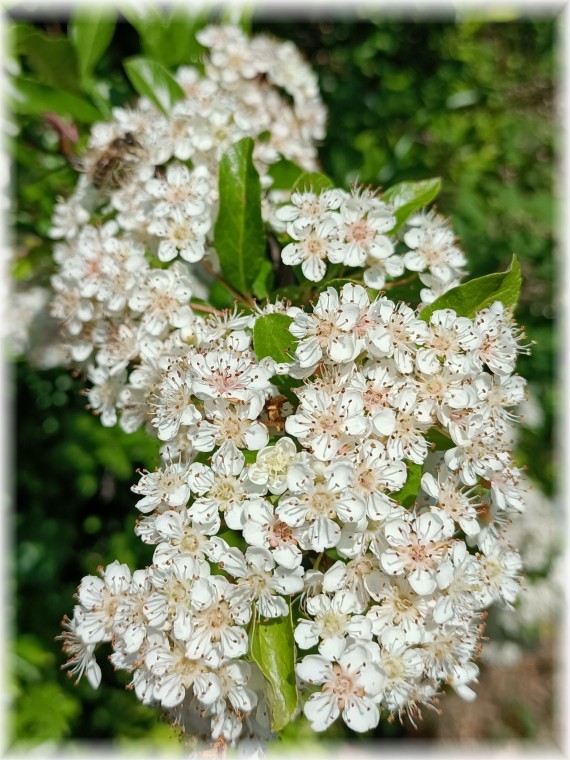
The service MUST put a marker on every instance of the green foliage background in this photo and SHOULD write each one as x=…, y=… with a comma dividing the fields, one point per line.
x=468, y=99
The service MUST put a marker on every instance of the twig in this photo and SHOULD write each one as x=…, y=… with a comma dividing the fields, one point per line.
x=243, y=299
x=205, y=309
x=405, y=281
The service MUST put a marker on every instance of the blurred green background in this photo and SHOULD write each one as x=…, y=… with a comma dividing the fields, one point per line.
x=469, y=99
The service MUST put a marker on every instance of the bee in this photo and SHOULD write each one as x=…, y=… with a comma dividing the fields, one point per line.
x=274, y=412
x=110, y=168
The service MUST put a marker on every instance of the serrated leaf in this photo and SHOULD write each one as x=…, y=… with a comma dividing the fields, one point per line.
x=153, y=81
x=409, y=197
x=407, y=495
x=271, y=337
x=32, y=98
x=239, y=235
x=314, y=181
x=470, y=297
x=272, y=647
x=91, y=31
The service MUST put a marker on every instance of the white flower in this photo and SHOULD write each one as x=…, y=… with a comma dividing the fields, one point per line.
x=333, y=620
x=323, y=421
x=98, y=598
x=176, y=673
x=417, y=546
x=402, y=666
x=227, y=424
x=167, y=486
x=261, y=581
x=231, y=376
x=272, y=465
x=181, y=235
x=361, y=220
x=449, y=338
x=217, y=626
x=452, y=500
x=396, y=335
x=328, y=330
x=310, y=249
x=362, y=575
x=264, y=528
x=320, y=495
x=222, y=489
x=81, y=659
x=161, y=299
x=352, y=686
x=399, y=608
x=174, y=404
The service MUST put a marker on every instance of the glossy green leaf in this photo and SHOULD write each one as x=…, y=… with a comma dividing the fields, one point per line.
x=153, y=81
x=409, y=197
x=285, y=174
x=313, y=181
x=149, y=21
x=179, y=44
x=467, y=299
x=272, y=647
x=52, y=59
x=91, y=31
x=442, y=442
x=220, y=297
x=271, y=337
x=407, y=495
x=168, y=38
x=264, y=280
x=239, y=234
x=29, y=97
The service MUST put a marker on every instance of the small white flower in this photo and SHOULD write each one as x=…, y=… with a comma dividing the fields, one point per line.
x=352, y=686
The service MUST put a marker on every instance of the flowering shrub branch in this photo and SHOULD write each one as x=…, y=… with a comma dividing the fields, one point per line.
x=328, y=522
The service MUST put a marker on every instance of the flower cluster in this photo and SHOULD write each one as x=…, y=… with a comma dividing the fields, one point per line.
x=372, y=499
x=142, y=215
x=358, y=229
x=337, y=474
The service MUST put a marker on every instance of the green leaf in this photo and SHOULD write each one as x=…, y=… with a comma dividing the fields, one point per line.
x=407, y=495
x=409, y=197
x=91, y=31
x=313, y=181
x=220, y=297
x=179, y=44
x=285, y=174
x=152, y=80
x=32, y=98
x=467, y=299
x=168, y=39
x=272, y=647
x=442, y=442
x=52, y=59
x=239, y=235
x=271, y=337
x=264, y=280
x=150, y=23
